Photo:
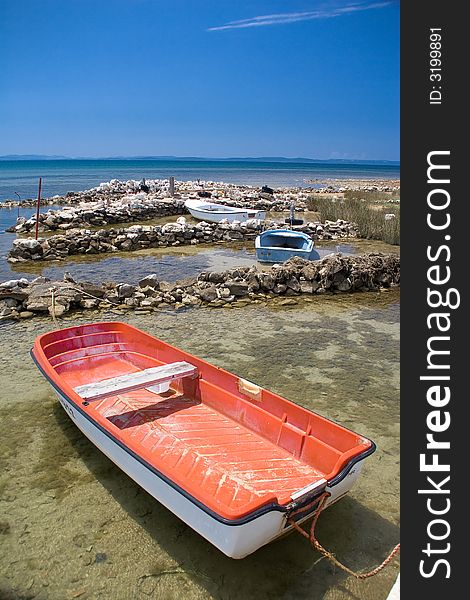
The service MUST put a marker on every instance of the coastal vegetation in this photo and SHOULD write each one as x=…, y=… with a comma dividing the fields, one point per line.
x=370, y=211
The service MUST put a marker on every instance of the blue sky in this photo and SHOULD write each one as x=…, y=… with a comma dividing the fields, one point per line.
x=200, y=78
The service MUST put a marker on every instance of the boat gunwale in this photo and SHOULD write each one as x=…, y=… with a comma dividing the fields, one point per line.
x=289, y=232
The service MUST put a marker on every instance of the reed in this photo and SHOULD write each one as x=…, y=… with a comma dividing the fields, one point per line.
x=373, y=196
x=367, y=211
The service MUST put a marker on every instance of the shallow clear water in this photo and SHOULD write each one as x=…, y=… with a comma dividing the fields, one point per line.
x=61, y=176
x=170, y=264
x=73, y=525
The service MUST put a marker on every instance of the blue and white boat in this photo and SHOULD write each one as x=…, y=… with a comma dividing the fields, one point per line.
x=278, y=245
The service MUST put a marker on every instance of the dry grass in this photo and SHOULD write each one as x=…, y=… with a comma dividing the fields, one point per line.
x=366, y=209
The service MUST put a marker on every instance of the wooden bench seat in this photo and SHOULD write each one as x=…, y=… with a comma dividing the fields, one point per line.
x=134, y=381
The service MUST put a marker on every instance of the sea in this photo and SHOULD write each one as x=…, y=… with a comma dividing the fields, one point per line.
x=19, y=178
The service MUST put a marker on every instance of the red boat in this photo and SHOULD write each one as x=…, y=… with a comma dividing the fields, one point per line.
x=231, y=459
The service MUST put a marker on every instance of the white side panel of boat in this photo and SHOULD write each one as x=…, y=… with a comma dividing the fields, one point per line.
x=342, y=488
x=236, y=541
x=203, y=212
x=214, y=217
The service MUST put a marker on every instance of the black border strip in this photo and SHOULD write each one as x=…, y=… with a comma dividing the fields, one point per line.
x=232, y=522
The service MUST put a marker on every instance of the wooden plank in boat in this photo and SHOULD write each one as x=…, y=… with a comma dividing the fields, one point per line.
x=134, y=381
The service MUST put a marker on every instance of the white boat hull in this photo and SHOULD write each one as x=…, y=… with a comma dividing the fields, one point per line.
x=236, y=540
x=212, y=217
x=214, y=213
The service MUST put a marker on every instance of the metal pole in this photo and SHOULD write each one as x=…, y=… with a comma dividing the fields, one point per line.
x=292, y=213
x=19, y=200
x=172, y=186
x=37, y=209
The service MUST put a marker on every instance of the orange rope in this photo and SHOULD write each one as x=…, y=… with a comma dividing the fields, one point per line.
x=316, y=544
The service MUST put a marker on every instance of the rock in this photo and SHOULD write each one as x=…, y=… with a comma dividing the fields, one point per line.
x=166, y=287
x=15, y=293
x=189, y=300
x=344, y=286
x=279, y=288
x=266, y=281
x=253, y=284
x=150, y=302
x=125, y=290
x=89, y=303
x=215, y=277
x=11, y=283
x=290, y=292
x=92, y=289
x=150, y=291
x=237, y=288
x=293, y=284
x=34, y=246
x=309, y=272
x=59, y=309
x=40, y=297
x=241, y=303
x=9, y=302
x=131, y=302
x=306, y=287
x=218, y=303
x=339, y=276
x=235, y=235
x=223, y=292
x=188, y=282
x=208, y=294
x=150, y=281
x=39, y=304
x=172, y=228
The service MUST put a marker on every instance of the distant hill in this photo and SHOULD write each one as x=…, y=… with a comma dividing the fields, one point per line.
x=31, y=157
x=257, y=159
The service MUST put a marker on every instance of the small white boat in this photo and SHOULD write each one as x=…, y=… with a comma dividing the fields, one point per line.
x=214, y=213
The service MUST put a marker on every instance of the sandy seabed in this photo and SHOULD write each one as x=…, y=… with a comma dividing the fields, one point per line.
x=72, y=525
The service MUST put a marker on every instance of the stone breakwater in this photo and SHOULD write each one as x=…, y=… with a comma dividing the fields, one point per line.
x=115, y=193
x=101, y=213
x=139, y=237
x=20, y=298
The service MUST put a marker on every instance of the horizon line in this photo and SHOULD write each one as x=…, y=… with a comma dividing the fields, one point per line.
x=181, y=157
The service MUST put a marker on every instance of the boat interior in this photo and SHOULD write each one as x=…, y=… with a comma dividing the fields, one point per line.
x=277, y=240
x=231, y=444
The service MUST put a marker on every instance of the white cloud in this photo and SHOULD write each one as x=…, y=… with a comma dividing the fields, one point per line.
x=278, y=19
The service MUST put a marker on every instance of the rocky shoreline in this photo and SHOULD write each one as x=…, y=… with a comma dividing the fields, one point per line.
x=116, y=192
x=100, y=214
x=21, y=298
x=154, y=190
x=140, y=237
